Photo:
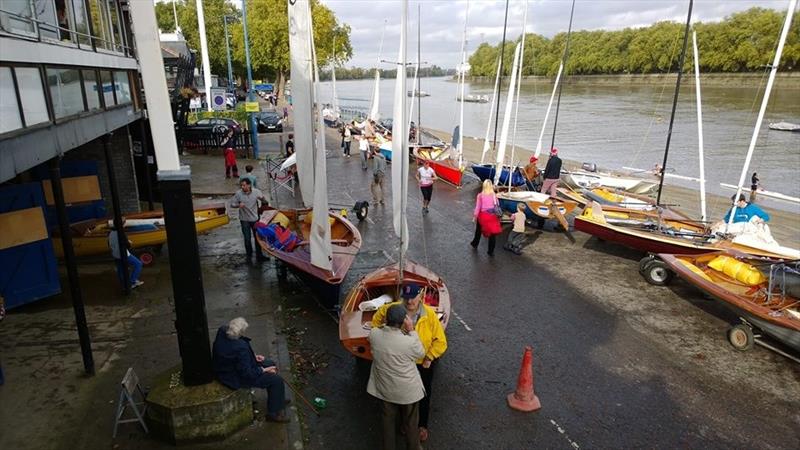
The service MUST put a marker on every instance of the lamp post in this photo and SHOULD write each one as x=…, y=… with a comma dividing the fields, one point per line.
x=251, y=97
x=228, y=51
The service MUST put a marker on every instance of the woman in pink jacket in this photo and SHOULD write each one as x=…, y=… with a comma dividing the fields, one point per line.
x=486, y=221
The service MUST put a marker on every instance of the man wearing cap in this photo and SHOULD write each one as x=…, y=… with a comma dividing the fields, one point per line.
x=394, y=378
x=552, y=173
x=431, y=334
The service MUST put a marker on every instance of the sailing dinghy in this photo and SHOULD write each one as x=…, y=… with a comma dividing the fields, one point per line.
x=383, y=285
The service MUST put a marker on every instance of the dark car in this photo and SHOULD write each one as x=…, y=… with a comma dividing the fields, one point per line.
x=213, y=123
x=269, y=121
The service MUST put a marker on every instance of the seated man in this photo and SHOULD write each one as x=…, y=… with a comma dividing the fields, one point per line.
x=746, y=212
x=237, y=366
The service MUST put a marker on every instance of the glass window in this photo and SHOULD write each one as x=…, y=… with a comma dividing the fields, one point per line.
x=81, y=21
x=99, y=13
x=123, y=87
x=45, y=11
x=90, y=88
x=9, y=110
x=31, y=93
x=65, y=91
x=116, y=29
x=108, y=89
x=16, y=16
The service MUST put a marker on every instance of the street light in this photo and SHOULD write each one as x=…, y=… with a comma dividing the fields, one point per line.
x=251, y=97
x=228, y=50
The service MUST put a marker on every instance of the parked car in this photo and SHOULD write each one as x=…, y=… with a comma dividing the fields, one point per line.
x=209, y=124
x=269, y=121
x=230, y=101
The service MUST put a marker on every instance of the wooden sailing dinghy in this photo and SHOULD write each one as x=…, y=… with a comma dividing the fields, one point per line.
x=538, y=206
x=355, y=323
x=764, y=293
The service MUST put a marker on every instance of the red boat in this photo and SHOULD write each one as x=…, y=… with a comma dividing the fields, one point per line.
x=446, y=168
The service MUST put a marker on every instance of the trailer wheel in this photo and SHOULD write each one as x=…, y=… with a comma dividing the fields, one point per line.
x=362, y=209
x=657, y=273
x=741, y=337
x=644, y=262
x=147, y=257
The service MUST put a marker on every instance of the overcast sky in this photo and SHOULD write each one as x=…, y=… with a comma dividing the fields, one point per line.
x=443, y=21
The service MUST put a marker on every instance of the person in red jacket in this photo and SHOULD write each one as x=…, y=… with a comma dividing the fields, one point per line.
x=230, y=163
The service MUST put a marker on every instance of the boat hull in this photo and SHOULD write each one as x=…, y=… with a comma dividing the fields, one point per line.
x=353, y=334
x=448, y=171
x=780, y=327
x=324, y=283
x=644, y=243
x=487, y=172
x=537, y=209
x=95, y=240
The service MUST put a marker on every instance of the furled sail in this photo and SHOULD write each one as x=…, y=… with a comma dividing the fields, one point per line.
x=501, y=148
x=302, y=93
x=400, y=142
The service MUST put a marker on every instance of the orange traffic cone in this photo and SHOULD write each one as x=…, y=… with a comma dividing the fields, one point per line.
x=524, y=399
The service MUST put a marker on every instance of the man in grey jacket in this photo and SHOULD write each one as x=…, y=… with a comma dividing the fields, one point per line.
x=394, y=377
x=246, y=199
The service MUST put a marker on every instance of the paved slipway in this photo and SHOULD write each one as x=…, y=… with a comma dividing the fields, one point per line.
x=618, y=363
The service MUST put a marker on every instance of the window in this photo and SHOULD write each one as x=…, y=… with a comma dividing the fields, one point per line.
x=17, y=16
x=9, y=109
x=31, y=93
x=108, y=89
x=45, y=11
x=123, y=87
x=65, y=91
x=81, y=21
x=91, y=90
x=98, y=10
x=116, y=29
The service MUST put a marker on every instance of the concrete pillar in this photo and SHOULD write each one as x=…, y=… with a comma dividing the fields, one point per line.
x=123, y=240
x=72, y=267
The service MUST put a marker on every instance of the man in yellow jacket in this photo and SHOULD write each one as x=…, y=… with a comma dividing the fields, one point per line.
x=433, y=339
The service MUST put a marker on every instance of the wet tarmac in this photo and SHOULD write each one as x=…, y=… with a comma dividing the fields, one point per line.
x=618, y=363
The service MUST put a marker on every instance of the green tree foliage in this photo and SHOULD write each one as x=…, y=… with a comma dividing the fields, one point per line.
x=268, y=29
x=359, y=73
x=742, y=42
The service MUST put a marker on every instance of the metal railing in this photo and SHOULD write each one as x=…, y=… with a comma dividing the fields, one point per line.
x=74, y=35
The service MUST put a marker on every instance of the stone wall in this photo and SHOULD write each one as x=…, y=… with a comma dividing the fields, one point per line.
x=122, y=161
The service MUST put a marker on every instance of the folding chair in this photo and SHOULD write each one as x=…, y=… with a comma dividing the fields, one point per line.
x=128, y=388
x=277, y=177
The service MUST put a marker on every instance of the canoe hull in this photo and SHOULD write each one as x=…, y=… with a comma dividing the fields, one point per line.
x=487, y=172
x=352, y=333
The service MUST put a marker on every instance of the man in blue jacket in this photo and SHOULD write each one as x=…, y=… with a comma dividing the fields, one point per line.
x=745, y=212
x=237, y=366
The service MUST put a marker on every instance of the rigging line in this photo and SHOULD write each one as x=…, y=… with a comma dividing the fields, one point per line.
x=675, y=99
x=500, y=85
x=561, y=86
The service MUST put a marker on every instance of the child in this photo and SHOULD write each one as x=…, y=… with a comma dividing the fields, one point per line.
x=517, y=236
x=230, y=163
x=250, y=176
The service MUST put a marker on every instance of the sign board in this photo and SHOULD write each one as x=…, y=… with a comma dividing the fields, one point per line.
x=269, y=87
x=251, y=107
x=218, y=99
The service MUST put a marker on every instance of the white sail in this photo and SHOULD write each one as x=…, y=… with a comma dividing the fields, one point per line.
x=699, y=129
x=786, y=25
x=376, y=89
x=302, y=93
x=518, y=87
x=458, y=141
x=549, y=105
x=400, y=142
x=320, y=235
x=334, y=99
x=486, y=144
x=501, y=147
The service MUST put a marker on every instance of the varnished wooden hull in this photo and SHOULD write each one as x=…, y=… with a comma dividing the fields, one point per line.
x=346, y=241
x=352, y=333
x=771, y=317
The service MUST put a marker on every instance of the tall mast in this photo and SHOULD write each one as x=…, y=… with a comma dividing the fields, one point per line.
x=516, y=107
x=419, y=78
x=675, y=100
x=701, y=157
x=499, y=74
x=462, y=82
x=563, y=64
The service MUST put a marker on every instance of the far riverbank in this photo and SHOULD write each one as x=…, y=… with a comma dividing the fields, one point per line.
x=786, y=80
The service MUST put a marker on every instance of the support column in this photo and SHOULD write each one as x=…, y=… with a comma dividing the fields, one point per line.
x=187, y=277
x=121, y=237
x=148, y=187
x=72, y=267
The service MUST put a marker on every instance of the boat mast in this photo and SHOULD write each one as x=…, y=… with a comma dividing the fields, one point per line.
x=675, y=101
x=501, y=149
x=419, y=79
x=333, y=80
x=462, y=82
x=400, y=126
x=701, y=157
x=774, y=70
x=499, y=88
x=375, y=100
x=563, y=64
x=516, y=107
x=491, y=110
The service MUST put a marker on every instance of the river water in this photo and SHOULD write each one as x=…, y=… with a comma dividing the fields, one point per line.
x=626, y=126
